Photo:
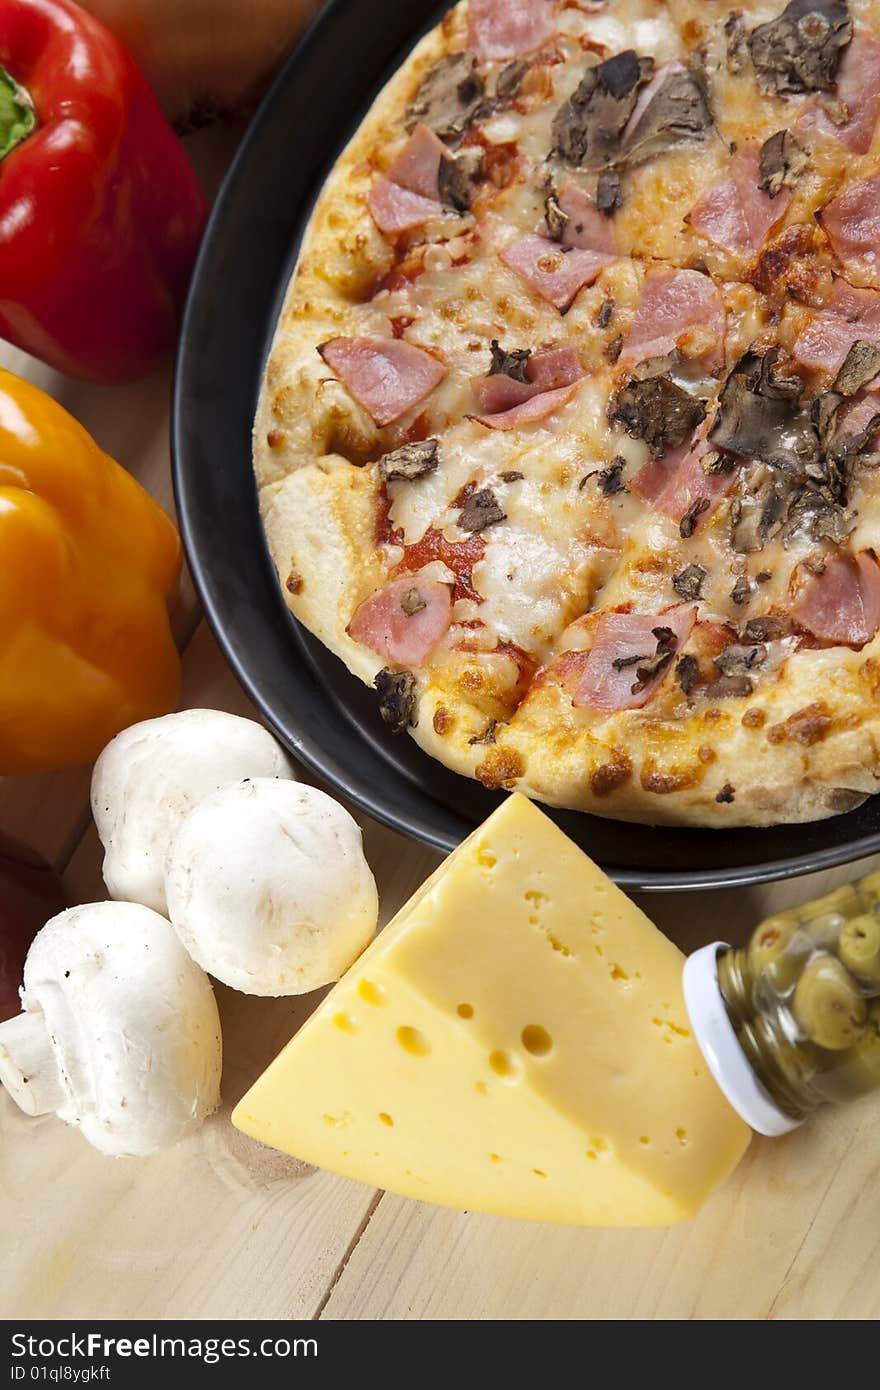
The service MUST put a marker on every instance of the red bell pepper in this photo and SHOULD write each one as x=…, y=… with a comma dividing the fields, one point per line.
x=100, y=210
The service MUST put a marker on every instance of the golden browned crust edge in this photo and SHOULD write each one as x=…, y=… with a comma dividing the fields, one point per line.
x=319, y=512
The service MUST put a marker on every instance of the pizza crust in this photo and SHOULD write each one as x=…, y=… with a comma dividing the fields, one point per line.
x=804, y=746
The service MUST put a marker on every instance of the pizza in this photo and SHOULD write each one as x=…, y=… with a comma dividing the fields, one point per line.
x=567, y=441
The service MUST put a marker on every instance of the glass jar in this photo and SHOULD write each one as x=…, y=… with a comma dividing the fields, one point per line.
x=792, y=1020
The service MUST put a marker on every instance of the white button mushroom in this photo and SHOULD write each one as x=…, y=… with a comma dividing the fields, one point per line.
x=268, y=887
x=151, y=775
x=120, y=1033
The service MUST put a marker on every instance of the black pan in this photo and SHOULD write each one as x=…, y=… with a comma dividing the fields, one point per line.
x=325, y=716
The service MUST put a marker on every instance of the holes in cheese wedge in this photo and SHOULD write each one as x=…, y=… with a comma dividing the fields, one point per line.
x=558, y=945
x=372, y=993
x=486, y=858
x=536, y=1040
x=345, y=1023
x=465, y=1010
x=539, y=1173
x=413, y=1042
x=386, y=1119
x=503, y=1063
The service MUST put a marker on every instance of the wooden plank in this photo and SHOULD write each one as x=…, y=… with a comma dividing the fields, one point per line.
x=789, y=1235
x=220, y=1226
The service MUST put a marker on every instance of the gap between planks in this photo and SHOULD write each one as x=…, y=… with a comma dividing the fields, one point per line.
x=349, y=1251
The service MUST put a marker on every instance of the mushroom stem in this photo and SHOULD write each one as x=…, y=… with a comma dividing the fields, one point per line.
x=28, y=1068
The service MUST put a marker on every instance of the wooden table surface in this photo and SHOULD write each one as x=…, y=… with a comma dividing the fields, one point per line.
x=222, y=1228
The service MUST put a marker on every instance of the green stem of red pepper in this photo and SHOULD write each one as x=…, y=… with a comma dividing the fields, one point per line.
x=17, y=116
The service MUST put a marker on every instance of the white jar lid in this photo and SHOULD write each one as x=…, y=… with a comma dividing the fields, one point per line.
x=720, y=1046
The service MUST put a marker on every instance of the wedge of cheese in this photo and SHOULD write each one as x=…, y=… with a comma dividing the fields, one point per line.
x=514, y=1041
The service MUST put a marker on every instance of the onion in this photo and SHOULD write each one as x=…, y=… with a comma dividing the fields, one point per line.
x=206, y=58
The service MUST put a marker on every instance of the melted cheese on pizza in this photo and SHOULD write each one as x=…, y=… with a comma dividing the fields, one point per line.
x=574, y=386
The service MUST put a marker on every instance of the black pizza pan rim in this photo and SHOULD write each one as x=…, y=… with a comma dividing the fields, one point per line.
x=214, y=392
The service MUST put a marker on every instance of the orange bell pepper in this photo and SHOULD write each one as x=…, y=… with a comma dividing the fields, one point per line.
x=88, y=562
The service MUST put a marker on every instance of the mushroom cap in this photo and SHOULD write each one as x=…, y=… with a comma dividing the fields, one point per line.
x=268, y=887
x=133, y=1025
x=152, y=774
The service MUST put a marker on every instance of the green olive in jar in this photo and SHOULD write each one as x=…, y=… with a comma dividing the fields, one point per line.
x=869, y=888
x=859, y=948
x=828, y=1004
x=825, y=918
x=778, y=952
x=866, y=1053
x=855, y=1072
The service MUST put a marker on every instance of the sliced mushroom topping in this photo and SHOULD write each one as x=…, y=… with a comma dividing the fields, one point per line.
x=610, y=481
x=713, y=462
x=782, y=161
x=688, y=673
x=742, y=590
x=652, y=407
x=677, y=112
x=770, y=628
x=769, y=382
x=510, y=79
x=606, y=310
x=738, y=660
x=689, y=582
x=650, y=666
x=481, y=510
x=556, y=219
x=729, y=687
x=412, y=602
x=757, y=515
x=760, y=415
x=861, y=365
x=448, y=98
x=457, y=179
x=608, y=194
x=613, y=348
x=688, y=524
x=847, y=448
x=587, y=129
x=410, y=461
x=823, y=413
x=813, y=517
x=512, y=364
x=397, y=699
x=800, y=50
x=737, y=42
